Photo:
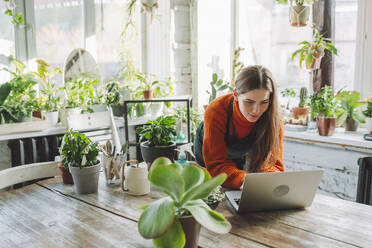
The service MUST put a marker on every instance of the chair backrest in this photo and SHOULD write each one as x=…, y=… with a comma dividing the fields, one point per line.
x=28, y=172
x=364, y=191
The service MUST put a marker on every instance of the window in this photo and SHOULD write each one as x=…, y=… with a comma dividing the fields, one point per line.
x=58, y=28
x=214, y=43
x=7, y=45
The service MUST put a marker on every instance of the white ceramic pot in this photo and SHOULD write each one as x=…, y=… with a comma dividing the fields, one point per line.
x=51, y=117
x=369, y=124
x=63, y=113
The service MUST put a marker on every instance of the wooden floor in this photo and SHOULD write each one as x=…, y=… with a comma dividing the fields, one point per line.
x=50, y=214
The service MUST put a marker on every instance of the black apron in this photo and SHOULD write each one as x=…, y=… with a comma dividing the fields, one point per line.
x=236, y=150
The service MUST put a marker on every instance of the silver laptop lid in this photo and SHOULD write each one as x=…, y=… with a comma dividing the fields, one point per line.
x=278, y=190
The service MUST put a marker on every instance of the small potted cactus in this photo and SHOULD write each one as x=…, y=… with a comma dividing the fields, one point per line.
x=301, y=110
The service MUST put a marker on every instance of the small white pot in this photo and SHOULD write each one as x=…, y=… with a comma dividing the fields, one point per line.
x=63, y=113
x=369, y=124
x=52, y=117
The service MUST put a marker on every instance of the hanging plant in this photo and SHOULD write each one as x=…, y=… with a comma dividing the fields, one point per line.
x=17, y=18
x=299, y=11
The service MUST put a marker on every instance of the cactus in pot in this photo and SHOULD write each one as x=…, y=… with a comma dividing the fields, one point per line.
x=301, y=110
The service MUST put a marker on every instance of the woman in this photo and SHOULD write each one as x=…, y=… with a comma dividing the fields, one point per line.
x=242, y=130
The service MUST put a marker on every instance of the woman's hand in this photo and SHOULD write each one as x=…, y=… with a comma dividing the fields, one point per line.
x=241, y=186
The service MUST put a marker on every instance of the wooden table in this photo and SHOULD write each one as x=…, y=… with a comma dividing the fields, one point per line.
x=50, y=214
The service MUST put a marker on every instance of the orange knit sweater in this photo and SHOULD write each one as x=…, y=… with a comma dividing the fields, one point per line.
x=214, y=145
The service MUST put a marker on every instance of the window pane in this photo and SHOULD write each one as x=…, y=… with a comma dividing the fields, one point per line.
x=269, y=40
x=59, y=29
x=213, y=43
x=345, y=41
x=6, y=41
x=111, y=17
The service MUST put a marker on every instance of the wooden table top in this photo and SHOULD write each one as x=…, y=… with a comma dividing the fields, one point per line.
x=50, y=214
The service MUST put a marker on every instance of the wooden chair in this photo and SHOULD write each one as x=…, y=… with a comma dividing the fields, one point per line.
x=27, y=172
x=364, y=191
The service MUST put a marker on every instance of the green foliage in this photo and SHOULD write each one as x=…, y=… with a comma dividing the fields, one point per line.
x=17, y=18
x=185, y=187
x=82, y=92
x=217, y=85
x=158, y=132
x=195, y=118
x=349, y=102
x=303, y=97
x=324, y=103
x=215, y=196
x=298, y=2
x=77, y=150
x=49, y=98
x=112, y=93
x=288, y=93
x=368, y=112
x=5, y=113
x=21, y=100
x=309, y=50
x=237, y=66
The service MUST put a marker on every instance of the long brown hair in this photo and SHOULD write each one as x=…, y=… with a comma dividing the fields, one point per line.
x=267, y=128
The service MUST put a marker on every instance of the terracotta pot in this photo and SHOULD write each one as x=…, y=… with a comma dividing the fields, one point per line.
x=299, y=15
x=299, y=112
x=66, y=175
x=192, y=231
x=326, y=125
x=351, y=124
x=147, y=94
x=36, y=113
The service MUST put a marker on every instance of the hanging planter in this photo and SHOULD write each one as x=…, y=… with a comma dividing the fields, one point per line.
x=299, y=15
x=316, y=60
x=299, y=11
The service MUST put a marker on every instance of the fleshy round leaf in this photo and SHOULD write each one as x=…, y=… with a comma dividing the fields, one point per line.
x=157, y=218
x=204, y=189
x=207, y=217
x=174, y=238
x=159, y=161
x=193, y=176
x=169, y=180
x=178, y=167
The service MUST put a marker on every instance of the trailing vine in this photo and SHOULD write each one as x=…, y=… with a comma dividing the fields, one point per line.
x=17, y=18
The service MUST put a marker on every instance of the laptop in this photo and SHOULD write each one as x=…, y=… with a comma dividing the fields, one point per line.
x=275, y=190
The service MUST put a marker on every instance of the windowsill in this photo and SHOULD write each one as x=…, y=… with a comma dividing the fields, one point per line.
x=339, y=138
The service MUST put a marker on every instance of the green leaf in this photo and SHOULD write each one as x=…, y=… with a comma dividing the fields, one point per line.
x=208, y=218
x=174, y=238
x=193, y=176
x=169, y=180
x=359, y=117
x=214, y=77
x=4, y=92
x=204, y=189
x=157, y=218
x=8, y=12
x=178, y=167
x=309, y=60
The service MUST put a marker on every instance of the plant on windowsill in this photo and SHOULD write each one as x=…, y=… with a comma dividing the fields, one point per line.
x=301, y=110
x=288, y=93
x=368, y=114
x=49, y=98
x=218, y=86
x=79, y=154
x=299, y=11
x=175, y=221
x=323, y=107
x=348, y=114
x=313, y=52
x=21, y=100
x=156, y=138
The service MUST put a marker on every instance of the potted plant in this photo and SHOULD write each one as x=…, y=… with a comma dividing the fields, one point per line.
x=301, y=110
x=348, y=113
x=174, y=221
x=49, y=98
x=156, y=138
x=112, y=93
x=324, y=106
x=195, y=118
x=214, y=198
x=79, y=154
x=218, y=86
x=6, y=115
x=313, y=52
x=368, y=114
x=299, y=11
x=21, y=100
x=288, y=93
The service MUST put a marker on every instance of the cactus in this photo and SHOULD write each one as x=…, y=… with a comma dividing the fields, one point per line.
x=303, y=97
